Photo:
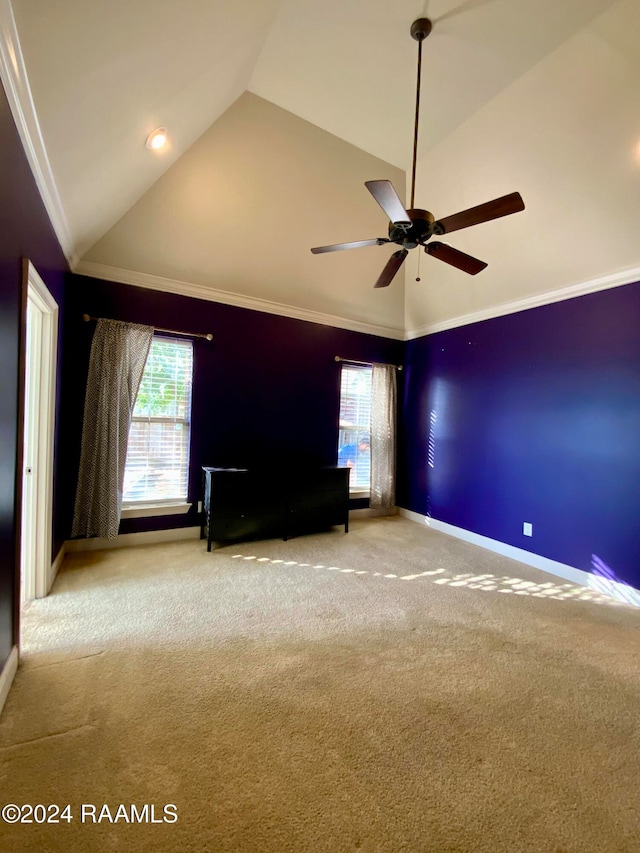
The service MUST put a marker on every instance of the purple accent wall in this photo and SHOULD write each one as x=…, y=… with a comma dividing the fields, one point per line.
x=266, y=389
x=532, y=417
x=25, y=232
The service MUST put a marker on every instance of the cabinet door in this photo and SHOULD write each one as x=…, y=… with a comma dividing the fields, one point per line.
x=245, y=504
x=318, y=498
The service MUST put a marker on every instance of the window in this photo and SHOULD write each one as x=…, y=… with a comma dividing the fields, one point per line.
x=354, y=440
x=157, y=465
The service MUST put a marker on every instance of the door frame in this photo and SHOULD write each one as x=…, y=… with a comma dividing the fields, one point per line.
x=40, y=359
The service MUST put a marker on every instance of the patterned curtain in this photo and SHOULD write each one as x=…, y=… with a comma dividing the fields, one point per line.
x=118, y=355
x=383, y=437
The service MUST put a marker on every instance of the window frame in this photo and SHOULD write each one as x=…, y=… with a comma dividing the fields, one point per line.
x=146, y=507
x=355, y=492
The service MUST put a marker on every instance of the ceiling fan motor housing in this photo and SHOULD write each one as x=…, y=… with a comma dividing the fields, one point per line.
x=421, y=229
x=421, y=28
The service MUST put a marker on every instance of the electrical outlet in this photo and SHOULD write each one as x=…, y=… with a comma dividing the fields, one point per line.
x=527, y=528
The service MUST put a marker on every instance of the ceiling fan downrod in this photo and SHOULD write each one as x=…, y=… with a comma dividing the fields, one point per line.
x=420, y=29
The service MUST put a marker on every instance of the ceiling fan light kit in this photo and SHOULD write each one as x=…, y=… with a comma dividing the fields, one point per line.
x=414, y=227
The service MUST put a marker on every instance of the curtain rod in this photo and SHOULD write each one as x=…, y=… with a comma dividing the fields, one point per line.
x=367, y=363
x=208, y=337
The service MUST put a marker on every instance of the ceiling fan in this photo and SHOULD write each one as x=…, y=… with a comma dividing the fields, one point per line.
x=414, y=227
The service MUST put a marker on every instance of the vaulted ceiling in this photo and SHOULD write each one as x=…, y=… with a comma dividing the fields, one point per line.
x=279, y=110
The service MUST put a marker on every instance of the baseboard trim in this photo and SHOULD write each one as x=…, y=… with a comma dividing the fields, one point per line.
x=368, y=512
x=124, y=540
x=617, y=590
x=7, y=675
x=175, y=534
x=55, y=566
x=543, y=563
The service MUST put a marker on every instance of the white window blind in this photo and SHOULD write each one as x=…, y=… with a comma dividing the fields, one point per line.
x=157, y=465
x=355, y=426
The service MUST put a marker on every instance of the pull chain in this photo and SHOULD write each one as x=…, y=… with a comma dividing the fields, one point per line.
x=419, y=256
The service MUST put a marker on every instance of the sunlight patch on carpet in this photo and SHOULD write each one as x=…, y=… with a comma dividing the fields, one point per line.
x=482, y=582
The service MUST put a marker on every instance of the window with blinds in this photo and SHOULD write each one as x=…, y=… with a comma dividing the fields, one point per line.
x=354, y=439
x=158, y=452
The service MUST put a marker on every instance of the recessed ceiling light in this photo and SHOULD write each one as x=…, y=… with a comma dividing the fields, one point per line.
x=157, y=138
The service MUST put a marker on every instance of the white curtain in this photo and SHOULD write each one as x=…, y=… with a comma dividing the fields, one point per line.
x=118, y=355
x=383, y=437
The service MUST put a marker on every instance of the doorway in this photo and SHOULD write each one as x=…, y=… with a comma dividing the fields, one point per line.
x=41, y=347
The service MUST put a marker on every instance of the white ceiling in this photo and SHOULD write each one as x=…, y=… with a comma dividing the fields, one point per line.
x=537, y=97
x=237, y=211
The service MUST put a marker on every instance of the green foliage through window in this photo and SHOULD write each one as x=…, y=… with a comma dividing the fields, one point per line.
x=165, y=389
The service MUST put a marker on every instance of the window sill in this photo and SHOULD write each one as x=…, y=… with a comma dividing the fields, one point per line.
x=356, y=494
x=145, y=510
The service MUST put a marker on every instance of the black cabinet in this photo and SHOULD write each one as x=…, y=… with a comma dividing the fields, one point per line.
x=240, y=503
x=317, y=498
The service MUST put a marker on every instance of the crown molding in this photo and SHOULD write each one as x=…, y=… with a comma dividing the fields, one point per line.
x=210, y=294
x=13, y=74
x=605, y=282
x=198, y=291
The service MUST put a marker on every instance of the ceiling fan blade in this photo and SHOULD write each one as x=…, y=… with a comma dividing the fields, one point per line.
x=467, y=6
x=389, y=200
x=357, y=244
x=446, y=253
x=392, y=266
x=503, y=206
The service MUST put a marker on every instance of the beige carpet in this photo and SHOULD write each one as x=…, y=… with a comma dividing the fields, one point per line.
x=388, y=690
